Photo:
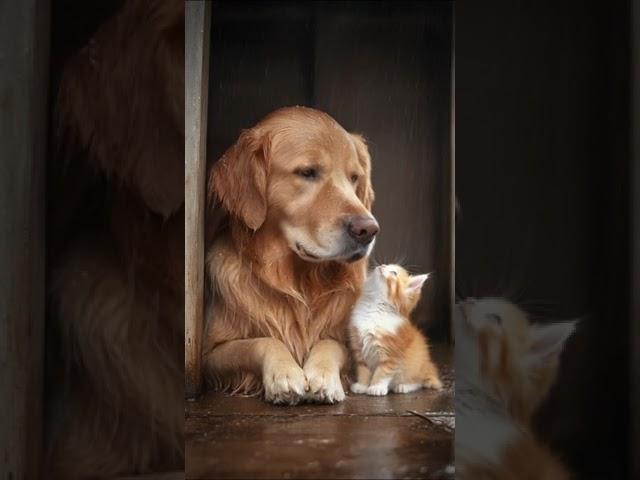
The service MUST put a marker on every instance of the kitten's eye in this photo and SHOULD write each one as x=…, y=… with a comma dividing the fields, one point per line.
x=309, y=173
x=354, y=178
x=394, y=273
x=495, y=318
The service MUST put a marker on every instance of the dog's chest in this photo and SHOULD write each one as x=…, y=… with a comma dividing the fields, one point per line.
x=372, y=323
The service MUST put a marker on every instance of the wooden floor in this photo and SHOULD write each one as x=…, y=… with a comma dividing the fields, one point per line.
x=397, y=436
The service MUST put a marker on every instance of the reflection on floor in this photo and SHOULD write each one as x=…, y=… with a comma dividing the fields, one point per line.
x=397, y=436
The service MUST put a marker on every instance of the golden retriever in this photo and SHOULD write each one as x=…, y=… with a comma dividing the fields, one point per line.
x=287, y=271
x=115, y=401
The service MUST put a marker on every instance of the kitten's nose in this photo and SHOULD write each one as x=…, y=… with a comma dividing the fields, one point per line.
x=363, y=229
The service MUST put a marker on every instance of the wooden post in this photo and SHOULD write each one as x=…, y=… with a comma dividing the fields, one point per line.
x=197, y=27
x=24, y=71
x=634, y=319
x=452, y=193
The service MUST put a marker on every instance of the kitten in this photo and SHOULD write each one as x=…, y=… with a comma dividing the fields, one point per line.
x=505, y=367
x=389, y=351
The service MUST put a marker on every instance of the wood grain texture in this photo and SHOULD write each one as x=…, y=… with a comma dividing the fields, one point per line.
x=155, y=476
x=441, y=402
x=386, y=72
x=198, y=18
x=452, y=192
x=327, y=447
x=24, y=50
x=395, y=436
x=542, y=183
x=635, y=242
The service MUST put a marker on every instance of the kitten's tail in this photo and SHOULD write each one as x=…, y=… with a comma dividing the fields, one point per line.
x=431, y=378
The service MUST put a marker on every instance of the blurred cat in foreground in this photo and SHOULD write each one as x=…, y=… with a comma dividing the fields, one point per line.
x=505, y=367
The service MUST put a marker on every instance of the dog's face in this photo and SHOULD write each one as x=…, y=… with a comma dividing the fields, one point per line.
x=301, y=173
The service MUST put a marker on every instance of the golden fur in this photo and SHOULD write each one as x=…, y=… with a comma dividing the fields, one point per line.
x=505, y=367
x=523, y=459
x=519, y=359
x=278, y=318
x=388, y=349
x=116, y=246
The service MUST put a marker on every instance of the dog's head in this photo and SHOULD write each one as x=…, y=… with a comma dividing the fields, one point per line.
x=120, y=103
x=298, y=172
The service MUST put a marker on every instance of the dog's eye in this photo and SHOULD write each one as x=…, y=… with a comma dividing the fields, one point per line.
x=495, y=318
x=354, y=178
x=307, y=173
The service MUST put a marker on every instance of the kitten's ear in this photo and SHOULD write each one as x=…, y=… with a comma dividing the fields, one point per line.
x=416, y=282
x=547, y=342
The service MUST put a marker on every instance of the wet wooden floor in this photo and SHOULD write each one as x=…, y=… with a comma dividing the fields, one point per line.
x=397, y=436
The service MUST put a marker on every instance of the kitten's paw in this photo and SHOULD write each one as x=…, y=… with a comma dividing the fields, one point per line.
x=358, y=388
x=284, y=383
x=325, y=385
x=406, y=387
x=433, y=383
x=378, y=390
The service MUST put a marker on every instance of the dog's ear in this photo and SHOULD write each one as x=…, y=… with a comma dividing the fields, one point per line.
x=239, y=178
x=365, y=189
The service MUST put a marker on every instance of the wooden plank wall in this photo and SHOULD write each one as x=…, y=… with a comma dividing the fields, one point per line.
x=452, y=188
x=24, y=54
x=395, y=64
x=198, y=20
x=379, y=70
x=542, y=182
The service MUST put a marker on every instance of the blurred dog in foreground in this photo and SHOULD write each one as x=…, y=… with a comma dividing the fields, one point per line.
x=116, y=250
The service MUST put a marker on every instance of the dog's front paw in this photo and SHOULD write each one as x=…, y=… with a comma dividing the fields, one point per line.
x=358, y=388
x=324, y=385
x=284, y=383
x=378, y=390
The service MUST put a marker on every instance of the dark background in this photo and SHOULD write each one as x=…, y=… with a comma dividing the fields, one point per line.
x=542, y=176
x=380, y=69
x=542, y=160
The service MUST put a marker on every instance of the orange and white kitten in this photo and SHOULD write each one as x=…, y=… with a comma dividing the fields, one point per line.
x=389, y=351
x=505, y=366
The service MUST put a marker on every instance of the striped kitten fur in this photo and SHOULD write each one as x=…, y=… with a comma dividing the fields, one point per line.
x=389, y=351
x=505, y=366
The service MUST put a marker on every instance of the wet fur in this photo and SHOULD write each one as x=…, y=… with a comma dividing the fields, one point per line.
x=260, y=288
x=388, y=349
x=116, y=245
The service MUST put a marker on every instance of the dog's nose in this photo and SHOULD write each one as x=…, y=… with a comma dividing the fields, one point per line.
x=363, y=229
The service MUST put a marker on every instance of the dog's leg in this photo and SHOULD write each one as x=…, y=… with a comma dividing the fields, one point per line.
x=322, y=369
x=283, y=379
